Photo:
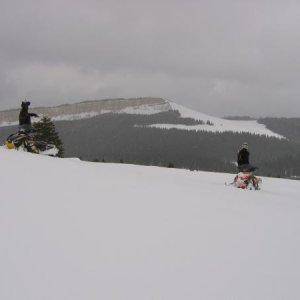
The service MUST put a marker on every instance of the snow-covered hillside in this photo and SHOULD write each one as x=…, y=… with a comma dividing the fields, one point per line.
x=76, y=230
x=217, y=124
x=142, y=106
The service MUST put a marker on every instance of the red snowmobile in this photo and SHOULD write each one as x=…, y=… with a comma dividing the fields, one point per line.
x=246, y=179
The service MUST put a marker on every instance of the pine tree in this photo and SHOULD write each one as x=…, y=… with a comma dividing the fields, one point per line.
x=45, y=131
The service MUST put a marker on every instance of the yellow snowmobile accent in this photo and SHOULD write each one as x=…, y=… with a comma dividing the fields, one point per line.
x=10, y=145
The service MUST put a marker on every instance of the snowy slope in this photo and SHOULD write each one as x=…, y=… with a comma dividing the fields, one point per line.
x=219, y=124
x=241, y=126
x=76, y=230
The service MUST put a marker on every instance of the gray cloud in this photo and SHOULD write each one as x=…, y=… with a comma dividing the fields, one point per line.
x=220, y=57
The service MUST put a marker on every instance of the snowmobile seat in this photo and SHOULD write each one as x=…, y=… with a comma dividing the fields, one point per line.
x=247, y=168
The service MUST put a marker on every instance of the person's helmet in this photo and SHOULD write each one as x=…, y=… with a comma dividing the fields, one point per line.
x=245, y=146
x=25, y=104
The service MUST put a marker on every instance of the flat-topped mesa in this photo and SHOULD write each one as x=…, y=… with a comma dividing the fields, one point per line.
x=89, y=107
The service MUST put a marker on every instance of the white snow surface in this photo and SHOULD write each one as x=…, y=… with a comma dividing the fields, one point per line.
x=72, y=117
x=76, y=230
x=146, y=109
x=243, y=126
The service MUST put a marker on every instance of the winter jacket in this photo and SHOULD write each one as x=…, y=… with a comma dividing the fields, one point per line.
x=25, y=116
x=243, y=157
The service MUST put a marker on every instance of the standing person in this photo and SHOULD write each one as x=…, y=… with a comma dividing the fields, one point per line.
x=243, y=157
x=246, y=176
x=25, y=117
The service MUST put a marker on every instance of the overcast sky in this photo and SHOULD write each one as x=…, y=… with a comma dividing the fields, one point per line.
x=220, y=57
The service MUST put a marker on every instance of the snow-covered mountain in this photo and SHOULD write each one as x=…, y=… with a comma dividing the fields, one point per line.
x=215, y=124
x=76, y=230
x=143, y=106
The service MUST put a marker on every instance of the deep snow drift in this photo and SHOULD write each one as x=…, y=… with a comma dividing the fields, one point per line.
x=75, y=230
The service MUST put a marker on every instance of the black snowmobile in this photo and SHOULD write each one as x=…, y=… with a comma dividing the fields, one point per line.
x=26, y=141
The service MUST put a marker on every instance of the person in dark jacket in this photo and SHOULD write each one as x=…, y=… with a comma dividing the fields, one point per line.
x=243, y=157
x=25, y=116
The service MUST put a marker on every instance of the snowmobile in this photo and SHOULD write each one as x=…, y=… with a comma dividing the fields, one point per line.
x=26, y=141
x=246, y=179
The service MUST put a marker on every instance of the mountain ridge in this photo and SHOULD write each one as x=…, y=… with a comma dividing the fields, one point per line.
x=142, y=106
x=97, y=106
